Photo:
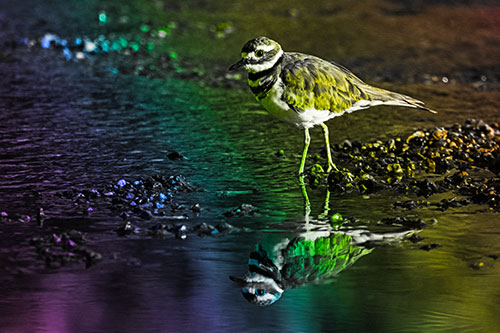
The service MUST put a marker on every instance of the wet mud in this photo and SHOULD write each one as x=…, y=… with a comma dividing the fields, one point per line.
x=462, y=160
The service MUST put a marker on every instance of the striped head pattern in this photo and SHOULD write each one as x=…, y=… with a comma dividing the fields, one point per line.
x=258, y=54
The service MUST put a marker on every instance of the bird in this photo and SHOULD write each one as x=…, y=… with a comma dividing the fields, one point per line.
x=310, y=257
x=306, y=90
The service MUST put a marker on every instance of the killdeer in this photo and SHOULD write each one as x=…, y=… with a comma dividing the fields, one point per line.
x=310, y=257
x=307, y=91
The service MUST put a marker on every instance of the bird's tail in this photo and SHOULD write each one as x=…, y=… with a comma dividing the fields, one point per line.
x=387, y=97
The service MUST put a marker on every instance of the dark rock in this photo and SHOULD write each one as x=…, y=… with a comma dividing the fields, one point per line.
x=477, y=265
x=408, y=204
x=347, y=145
x=160, y=230
x=226, y=228
x=143, y=214
x=58, y=250
x=409, y=222
x=91, y=257
x=415, y=238
x=196, y=208
x=127, y=229
x=40, y=217
x=425, y=187
x=368, y=184
x=175, y=156
x=204, y=229
x=241, y=211
x=180, y=231
x=429, y=247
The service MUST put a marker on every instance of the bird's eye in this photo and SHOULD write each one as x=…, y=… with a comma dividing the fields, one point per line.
x=259, y=53
x=260, y=292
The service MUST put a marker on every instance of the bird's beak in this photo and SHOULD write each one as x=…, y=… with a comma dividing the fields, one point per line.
x=240, y=282
x=237, y=65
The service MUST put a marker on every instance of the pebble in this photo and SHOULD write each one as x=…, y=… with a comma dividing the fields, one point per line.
x=175, y=156
x=429, y=247
x=61, y=249
x=127, y=229
x=409, y=222
x=403, y=165
x=241, y=211
x=40, y=217
x=181, y=231
x=142, y=198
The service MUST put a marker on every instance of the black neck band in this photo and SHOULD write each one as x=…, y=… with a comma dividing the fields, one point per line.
x=256, y=76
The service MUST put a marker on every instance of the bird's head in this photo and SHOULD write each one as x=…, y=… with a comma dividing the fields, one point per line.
x=262, y=284
x=258, y=54
x=258, y=289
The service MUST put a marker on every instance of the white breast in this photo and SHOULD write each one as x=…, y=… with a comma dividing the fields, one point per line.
x=275, y=105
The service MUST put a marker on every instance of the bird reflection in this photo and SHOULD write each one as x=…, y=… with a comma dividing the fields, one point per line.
x=315, y=255
x=310, y=257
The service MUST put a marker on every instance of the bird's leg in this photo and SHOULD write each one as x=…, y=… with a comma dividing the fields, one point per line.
x=331, y=165
x=326, y=205
x=307, y=140
x=307, y=203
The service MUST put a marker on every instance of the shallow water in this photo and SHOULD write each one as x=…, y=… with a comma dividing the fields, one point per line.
x=74, y=125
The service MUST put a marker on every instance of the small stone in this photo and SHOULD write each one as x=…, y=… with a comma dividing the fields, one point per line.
x=241, y=211
x=439, y=133
x=196, y=208
x=180, y=231
x=143, y=214
x=127, y=229
x=203, y=229
x=40, y=217
x=280, y=153
x=409, y=222
x=91, y=258
x=415, y=238
x=347, y=145
x=175, y=156
x=416, y=134
x=429, y=247
x=226, y=228
x=477, y=265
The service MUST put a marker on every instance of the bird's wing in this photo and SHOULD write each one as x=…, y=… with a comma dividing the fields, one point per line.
x=309, y=261
x=311, y=82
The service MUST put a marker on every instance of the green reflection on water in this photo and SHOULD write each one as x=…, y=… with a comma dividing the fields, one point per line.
x=232, y=146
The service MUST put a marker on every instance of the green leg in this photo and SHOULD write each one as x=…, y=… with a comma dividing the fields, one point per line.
x=326, y=206
x=331, y=165
x=307, y=203
x=307, y=141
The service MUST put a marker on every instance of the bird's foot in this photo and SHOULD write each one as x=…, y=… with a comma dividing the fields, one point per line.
x=332, y=167
x=343, y=175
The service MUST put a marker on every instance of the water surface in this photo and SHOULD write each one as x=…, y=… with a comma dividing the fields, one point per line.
x=75, y=125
